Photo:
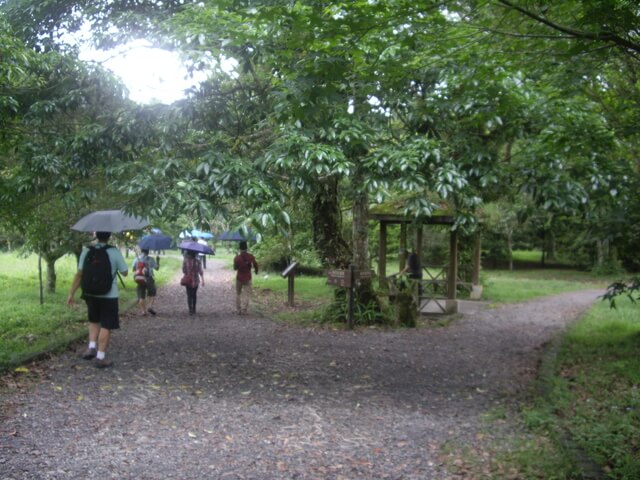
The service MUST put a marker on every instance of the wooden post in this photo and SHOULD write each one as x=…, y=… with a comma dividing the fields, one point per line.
x=419, y=238
x=452, y=304
x=402, y=258
x=352, y=270
x=382, y=256
x=290, y=295
x=290, y=274
x=476, y=288
x=418, y=250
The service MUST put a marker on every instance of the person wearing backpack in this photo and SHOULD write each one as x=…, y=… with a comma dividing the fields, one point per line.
x=143, y=267
x=97, y=271
x=242, y=263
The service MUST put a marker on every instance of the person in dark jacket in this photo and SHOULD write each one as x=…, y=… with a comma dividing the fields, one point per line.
x=192, y=278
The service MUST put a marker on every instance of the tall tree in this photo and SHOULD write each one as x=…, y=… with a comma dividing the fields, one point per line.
x=66, y=128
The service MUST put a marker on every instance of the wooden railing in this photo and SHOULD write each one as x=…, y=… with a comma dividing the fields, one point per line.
x=431, y=290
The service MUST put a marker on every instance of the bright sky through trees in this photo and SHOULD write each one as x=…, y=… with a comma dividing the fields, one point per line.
x=151, y=74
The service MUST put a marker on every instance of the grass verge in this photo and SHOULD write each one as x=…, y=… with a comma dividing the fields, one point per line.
x=311, y=296
x=29, y=330
x=504, y=286
x=592, y=397
x=584, y=421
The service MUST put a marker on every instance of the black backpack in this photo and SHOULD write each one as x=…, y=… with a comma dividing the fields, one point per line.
x=97, y=278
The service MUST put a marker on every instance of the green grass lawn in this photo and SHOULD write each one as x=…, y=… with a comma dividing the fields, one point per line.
x=306, y=287
x=503, y=286
x=28, y=329
x=527, y=255
x=599, y=370
x=593, y=392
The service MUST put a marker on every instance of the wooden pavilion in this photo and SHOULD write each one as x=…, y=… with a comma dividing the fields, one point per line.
x=438, y=292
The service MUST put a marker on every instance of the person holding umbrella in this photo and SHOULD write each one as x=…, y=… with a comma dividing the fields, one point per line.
x=192, y=269
x=102, y=308
x=143, y=267
x=192, y=278
x=98, y=267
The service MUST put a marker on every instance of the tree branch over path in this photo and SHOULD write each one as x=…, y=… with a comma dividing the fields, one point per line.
x=601, y=37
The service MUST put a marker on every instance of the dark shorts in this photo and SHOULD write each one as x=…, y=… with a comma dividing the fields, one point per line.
x=103, y=311
x=147, y=290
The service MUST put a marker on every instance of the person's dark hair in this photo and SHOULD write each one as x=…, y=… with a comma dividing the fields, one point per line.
x=190, y=254
x=145, y=251
x=103, y=236
x=243, y=245
x=414, y=262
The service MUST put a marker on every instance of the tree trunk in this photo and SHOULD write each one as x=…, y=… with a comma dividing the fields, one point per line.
x=477, y=259
x=361, y=231
x=604, y=253
x=510, y=249
x=327, y=223
x=551, y=246
x=364, y=294
x=51, y=275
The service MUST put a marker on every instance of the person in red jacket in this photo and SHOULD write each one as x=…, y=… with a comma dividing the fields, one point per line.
x=243, y=263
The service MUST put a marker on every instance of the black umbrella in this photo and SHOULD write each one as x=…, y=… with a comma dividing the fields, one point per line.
x=113, y=221
x=155, y=241
x=196, y=247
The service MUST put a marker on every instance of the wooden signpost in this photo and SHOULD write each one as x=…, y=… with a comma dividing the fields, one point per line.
x=290, y=274
x=348, y=279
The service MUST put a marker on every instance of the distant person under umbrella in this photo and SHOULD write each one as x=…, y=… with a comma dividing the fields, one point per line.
x=202, y=256
x=143, y=266
x=193, y=274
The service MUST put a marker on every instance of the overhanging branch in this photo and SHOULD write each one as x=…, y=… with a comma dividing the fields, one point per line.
x=599, y=37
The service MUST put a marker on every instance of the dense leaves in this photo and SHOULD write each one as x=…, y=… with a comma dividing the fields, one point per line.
x=339, y=105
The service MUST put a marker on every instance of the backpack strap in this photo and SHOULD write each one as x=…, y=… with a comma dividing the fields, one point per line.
x=117, y=274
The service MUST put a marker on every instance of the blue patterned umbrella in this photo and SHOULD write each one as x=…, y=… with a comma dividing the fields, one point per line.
x=196, y=234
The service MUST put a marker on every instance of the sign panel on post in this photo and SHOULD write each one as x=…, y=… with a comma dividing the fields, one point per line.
x=339, y=278
x=363, y=274
x=289, y=270
x=345, y=278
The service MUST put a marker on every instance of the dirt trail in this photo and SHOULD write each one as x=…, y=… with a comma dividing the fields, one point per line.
x=223, y=396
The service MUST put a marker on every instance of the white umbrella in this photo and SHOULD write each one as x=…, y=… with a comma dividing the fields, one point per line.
x=113, y=221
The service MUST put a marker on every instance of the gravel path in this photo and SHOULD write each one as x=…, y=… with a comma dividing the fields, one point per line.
x=222, y=396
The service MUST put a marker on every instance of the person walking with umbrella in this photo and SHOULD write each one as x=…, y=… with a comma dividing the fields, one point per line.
x=192, y=278
x=143, y=266
x=98, y=267
x=192, y=269
x=102, y=306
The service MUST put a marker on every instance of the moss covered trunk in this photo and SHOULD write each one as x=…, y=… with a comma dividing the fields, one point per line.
x=364, y=294
x=327, y=225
